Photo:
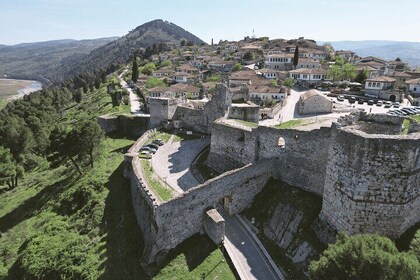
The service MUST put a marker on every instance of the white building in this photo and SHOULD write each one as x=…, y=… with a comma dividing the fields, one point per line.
x=308, y=63
x=282, y=62
x=312, y=102
x=414, y=87
x=309, y=76
x=262, y=92
x=383, y=87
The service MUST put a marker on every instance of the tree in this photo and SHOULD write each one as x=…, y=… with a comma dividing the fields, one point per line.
x=148, y=68
x=63, y=145
x=154, y=82
x=7, y=167
x=362, y=76
x=248, y=56
x=183, y=43
x=165, y=63
x=296, y=57
x=367, y=256
x=135, y=70
x=89, y=135
x=342, y=72
x=237, y=67
x=289, y=83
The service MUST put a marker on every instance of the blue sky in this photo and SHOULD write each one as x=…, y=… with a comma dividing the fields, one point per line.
x=323, y=20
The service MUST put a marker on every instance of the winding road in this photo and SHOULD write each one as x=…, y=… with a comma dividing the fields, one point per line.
x=249, y=257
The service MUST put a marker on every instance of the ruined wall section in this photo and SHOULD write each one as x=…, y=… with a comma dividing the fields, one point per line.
x=249, y=113
x=162, y=109
x=124, y=124
x=182, y=217
x=231, y=147
x=372, y=182
x=302, y=161
x=201, y=120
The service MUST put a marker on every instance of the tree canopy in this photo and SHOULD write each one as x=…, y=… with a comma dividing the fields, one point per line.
x=367, y=256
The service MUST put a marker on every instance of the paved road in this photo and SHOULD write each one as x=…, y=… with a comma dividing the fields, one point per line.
x=172, y=162
x=134, y=98
x=247, y=257
x=289, y=112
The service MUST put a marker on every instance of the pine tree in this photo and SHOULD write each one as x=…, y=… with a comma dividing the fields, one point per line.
x=296, y=57
x=135, y=70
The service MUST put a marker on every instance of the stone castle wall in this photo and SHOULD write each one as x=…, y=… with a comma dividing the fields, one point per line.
x=124, y=124
x=201, y=120
x=372, y=182
x=300, y=162
x=231, y=147
x=249, y=113
x=369, y=182
x=166, y=224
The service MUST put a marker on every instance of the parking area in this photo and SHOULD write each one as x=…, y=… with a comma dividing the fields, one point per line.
x=172, y=162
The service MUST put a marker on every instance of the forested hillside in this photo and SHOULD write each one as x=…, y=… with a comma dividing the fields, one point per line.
x=67, y=59
x=40, y=61
x=65, y=211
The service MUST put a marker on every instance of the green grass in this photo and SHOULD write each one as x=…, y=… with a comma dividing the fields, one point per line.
x=293, y=123
x=417, y=118
x=163, y=192
x=248, y=124
x=193, y=259
x=406, y=125
x=46, y=199
x=160, y=135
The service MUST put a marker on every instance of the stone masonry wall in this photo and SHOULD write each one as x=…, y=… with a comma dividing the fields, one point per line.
x=372, y=182
x=182, y=217
x=201, y=120
x=303, y=159
x=231, y=147
x=167, y=224
x=127, y=125
x=250, y=113
x=301, y=162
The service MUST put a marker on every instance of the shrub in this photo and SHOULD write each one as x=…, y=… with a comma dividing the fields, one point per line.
x=368, y=256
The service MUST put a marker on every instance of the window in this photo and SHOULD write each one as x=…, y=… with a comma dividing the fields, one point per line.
x=369, y=84
x=281, y=143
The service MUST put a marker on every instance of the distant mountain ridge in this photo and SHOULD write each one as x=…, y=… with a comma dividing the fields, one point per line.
x=119, y=51
x=54, y=61
x=39, y=60
x=407, y=51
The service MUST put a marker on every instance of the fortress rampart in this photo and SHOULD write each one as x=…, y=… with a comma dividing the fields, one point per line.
x=366, y=169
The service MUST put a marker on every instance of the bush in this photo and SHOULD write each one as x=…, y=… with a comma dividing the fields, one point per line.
x=62, y=255
x=368, y=256
x=154, y=82
x=237, y=67
x=289, y=83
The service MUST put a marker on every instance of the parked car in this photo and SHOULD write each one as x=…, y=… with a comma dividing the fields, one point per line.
x=396, y=105
x=340, y=98
x=145, y=154
x=370, y=102
x=360, y=101
x=352, y=99
x=159, y=142
x=388, y=104
x=149, y=149
x=154, y=146
x=379, y=103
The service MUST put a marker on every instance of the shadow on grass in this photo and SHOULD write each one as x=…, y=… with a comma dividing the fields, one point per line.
x=122, y=236
x=31, y=206
x=195, y=249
